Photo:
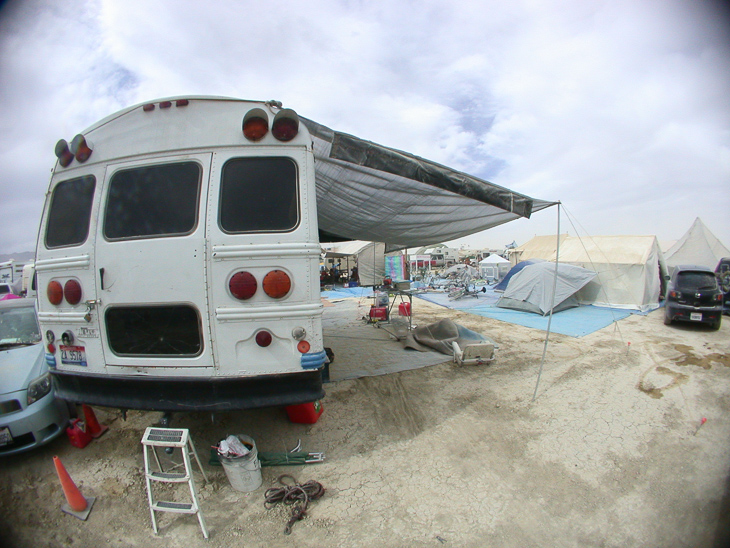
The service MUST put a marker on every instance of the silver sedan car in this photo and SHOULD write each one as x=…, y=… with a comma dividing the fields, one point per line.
x=30, y=414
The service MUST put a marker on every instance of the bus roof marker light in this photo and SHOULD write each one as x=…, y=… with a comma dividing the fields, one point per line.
x=64, y=155
x=149, y=107
x=255, y=125
x=81, y=148
x=286, y=125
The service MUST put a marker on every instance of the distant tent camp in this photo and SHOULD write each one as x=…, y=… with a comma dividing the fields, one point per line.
x=630, y=269
x=501, y=286
x=698, y=246
x=369, y=257
x=494, y=267
x=531, y=289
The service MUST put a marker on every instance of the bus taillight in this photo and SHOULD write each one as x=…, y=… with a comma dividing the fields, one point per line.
x=54, y=292
x=242, y=285
x=72, y=292
x=263, y=338
x=277, y=284
x=286, y=125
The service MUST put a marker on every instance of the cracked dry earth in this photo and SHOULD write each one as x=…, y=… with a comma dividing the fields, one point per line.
x=609, y=454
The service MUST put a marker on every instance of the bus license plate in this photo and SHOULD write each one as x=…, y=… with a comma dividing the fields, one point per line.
x=695, y=316
x=6, y=438
x=73, y=355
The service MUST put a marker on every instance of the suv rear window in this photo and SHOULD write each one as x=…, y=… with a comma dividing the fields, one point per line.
x=150, y=201
x=259, y=195
x=694, y=281
x=70, y=212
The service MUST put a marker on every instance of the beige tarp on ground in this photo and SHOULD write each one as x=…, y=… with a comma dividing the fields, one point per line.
x=629, y=268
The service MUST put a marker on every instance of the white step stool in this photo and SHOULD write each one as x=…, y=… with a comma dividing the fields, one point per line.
x=155, y=437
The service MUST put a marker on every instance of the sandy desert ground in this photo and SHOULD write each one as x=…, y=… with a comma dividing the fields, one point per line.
x=609, y=454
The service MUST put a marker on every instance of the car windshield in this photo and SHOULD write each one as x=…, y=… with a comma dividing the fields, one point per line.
x=694, y=281
x=18, y=326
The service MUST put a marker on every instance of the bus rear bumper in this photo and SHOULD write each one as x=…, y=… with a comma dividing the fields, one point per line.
x=189, y=394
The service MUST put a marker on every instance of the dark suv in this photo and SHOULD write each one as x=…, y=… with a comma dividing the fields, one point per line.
x=693, y=295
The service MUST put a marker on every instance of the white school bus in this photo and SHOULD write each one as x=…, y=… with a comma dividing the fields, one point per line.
x=177, y=264
x=178, y=259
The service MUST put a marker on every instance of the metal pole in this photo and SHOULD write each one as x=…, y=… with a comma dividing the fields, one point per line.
x=552, y=305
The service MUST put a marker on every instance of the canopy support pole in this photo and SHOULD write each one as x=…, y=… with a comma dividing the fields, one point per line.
x=552, y=305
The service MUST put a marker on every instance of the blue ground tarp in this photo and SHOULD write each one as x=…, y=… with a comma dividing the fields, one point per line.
x=347, y=292
x=574, y=322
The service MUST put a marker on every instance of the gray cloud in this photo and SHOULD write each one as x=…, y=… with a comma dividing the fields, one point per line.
x=619, y=109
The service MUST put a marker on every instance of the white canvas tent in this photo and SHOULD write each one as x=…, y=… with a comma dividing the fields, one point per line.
x=531, y=289
x=494, y=267
x=698, y=246
x=369, y=257
x=630, y=269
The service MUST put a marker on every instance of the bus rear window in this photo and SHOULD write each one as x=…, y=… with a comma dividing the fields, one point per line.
x=70, y=212
x=259, y=195
x=153, y=201
x=172, y=330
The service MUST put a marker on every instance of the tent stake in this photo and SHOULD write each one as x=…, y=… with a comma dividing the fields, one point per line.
x=552, y=305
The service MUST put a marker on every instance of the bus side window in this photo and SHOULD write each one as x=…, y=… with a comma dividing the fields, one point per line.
x=70, y=212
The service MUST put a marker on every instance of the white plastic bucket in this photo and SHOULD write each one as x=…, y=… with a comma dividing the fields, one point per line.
x=244, y=472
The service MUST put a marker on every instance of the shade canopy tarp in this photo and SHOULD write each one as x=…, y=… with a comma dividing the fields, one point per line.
x=629, y=268
x=698, y=246
x=531, y=289
x=367, y=191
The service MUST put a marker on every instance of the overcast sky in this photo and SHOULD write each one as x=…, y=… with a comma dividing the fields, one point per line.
x=620, y=109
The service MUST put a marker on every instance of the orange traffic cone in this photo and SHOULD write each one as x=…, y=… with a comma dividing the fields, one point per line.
x=92, y=425
x=78, y=505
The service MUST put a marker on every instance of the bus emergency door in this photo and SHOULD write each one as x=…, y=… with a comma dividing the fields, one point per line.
x=150, y=265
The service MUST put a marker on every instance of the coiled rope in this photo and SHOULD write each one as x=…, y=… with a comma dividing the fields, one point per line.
x=291, y=494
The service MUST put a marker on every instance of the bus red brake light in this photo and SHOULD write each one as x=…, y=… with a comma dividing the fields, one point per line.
x=242, y=285
x=63, y=153
x=81, y=148
x=255, y=128
x=277, y=284
x=303, y=347
x=54, y=292
x=72, y=292
x=263, y=338
x=286, y=125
